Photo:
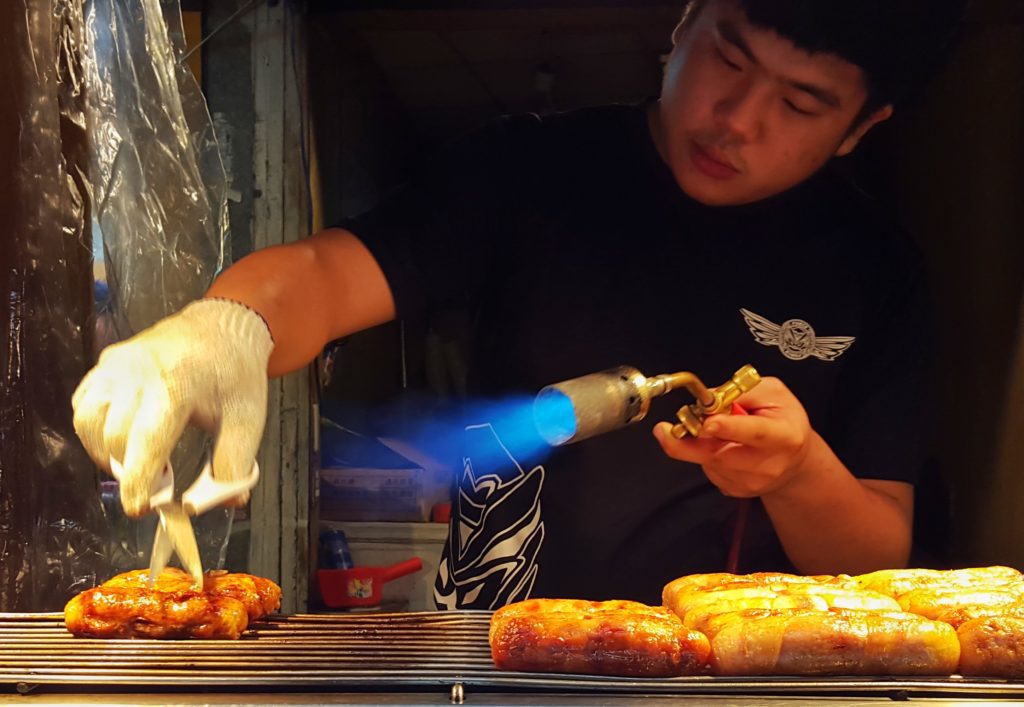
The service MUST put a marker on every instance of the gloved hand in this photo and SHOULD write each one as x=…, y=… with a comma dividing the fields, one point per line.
x=205, y=365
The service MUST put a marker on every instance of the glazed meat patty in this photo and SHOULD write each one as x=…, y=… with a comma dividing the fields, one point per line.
x=127, y=606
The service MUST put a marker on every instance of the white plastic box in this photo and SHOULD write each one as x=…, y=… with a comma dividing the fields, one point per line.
x=373, y=494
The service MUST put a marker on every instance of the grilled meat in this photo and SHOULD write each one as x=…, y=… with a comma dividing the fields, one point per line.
x=597, y=638
x=897, y=583
x=695, y=608
x=993, y=646
x=691, y=583
x=830, y=642
x=984, y=604
x=126, y=606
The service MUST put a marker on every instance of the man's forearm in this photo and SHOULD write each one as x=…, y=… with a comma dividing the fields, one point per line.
x=830, y=522
x=309, y=292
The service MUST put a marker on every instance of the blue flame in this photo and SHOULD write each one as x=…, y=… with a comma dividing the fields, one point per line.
x=513, y=421
x=526, y=425
x=554, y=416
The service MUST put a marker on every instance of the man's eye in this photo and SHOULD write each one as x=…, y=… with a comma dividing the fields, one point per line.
x=796, y=109
x=725, y=59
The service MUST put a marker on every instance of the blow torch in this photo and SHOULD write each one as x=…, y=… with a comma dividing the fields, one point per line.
x=590, y=405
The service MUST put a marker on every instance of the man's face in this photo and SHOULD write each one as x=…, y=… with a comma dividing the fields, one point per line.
x=744, y=114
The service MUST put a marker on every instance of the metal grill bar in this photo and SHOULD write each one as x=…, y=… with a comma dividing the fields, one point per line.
x=384, y=651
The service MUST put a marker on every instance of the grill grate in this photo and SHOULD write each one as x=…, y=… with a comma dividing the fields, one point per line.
x=366, y=651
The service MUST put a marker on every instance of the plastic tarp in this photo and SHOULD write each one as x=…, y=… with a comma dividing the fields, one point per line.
x=114, y=200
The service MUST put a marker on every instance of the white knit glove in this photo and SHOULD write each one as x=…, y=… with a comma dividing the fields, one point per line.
x=205, y=365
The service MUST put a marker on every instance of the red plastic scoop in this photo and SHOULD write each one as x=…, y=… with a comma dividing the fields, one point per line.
x=361, y=586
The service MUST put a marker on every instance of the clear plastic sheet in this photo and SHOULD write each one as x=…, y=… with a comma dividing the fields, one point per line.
x=108, y=150
x=160, y=208
x=159, y=182
x=51, y=540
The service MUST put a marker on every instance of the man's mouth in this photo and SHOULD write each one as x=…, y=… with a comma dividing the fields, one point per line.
x=710, y=163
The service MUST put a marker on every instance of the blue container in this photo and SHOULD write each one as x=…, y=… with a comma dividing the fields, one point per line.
x=334, y=552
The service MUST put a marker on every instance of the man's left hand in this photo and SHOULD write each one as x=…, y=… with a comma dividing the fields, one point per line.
x=749, y=455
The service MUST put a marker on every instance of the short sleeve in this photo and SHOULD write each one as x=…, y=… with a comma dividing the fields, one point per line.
x=438, y=237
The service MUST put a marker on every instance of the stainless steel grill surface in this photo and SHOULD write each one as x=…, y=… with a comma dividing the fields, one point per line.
x=367, y=651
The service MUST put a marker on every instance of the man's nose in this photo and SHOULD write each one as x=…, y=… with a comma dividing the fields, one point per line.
x=741, y=112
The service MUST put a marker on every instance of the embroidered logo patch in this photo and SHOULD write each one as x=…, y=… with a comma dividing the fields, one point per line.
x=795, y=338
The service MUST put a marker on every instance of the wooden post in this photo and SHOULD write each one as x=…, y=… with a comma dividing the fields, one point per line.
x=280, y=510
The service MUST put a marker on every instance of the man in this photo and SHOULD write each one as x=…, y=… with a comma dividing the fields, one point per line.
x=701, y=232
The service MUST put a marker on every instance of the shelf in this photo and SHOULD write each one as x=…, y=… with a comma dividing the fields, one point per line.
x=401, y=532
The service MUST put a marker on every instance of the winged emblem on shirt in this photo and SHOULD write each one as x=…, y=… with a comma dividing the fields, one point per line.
x=795, y=338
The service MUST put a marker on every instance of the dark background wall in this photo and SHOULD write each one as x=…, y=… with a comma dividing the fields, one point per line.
x=388, y=84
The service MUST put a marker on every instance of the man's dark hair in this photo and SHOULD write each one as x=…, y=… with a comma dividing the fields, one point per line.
x=898, y=44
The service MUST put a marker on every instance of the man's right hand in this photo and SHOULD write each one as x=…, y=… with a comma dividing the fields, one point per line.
x=205, y=365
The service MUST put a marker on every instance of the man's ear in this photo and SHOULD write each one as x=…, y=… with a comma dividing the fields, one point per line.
x=853, y=139
x=677, y=33
x=690, y=12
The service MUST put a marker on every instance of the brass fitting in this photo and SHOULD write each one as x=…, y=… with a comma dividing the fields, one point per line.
x=691, y=417
x=607, y=400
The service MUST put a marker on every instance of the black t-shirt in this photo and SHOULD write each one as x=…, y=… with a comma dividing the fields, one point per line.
x=576, y=251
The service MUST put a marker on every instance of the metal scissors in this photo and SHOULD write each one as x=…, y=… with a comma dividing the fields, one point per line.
x=174, y=532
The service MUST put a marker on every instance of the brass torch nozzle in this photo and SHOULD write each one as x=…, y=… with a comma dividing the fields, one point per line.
x=593, y=404
x=691, y=417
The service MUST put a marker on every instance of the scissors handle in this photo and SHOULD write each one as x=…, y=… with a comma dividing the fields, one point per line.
x=207, y=492
x=161, y=490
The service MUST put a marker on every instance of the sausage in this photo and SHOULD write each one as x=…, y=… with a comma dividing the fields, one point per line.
x=933, y=602
x=695, y=609
x=622, y=638
x=834, y=642
x=992, y=647
x=713, y=580
x=958, y=616
x=898, y=582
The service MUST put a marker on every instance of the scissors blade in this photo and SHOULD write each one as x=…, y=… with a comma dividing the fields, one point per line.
x=162, y=550
x=177, y=528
